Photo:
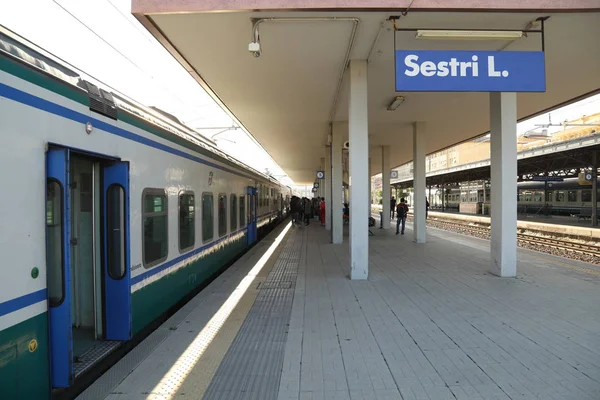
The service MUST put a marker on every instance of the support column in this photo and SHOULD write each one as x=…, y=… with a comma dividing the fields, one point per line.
x=419, y=182
x=386, y=192
x=321, y=191
x=503, y=128
x=327, y=180
x=358, y=126
x=370, y=188
x=595, y=189
x=443, y=197
x=337, y=214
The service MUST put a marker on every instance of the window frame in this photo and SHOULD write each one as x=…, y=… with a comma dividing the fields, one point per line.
x=179, y=196
x=212, y=237
x=243, y=221
x=53, y=304
x=156, y=191
x=219, y=234
x=123, y=235
x=569, y=193
x=588, y=195
x=233, y=212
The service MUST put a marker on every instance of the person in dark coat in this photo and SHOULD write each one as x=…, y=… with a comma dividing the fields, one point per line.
x=308, y=210
x=294, y=206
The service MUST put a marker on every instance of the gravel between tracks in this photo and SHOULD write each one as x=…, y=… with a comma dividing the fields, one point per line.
x=483, y=233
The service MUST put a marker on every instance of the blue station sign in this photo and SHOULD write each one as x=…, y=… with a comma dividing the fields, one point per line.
x=470, y=71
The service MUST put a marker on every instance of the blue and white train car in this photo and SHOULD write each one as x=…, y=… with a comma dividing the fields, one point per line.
x=111, y=213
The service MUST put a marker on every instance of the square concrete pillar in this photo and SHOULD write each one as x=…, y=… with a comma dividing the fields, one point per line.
x=337, y=214
x=370, y=188
x=321, y=192
x=503, y=132
x=358, y=126
x=328, y=186
x=386, y=192
x=419, y=182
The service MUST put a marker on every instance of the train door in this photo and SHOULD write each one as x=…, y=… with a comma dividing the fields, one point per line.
x=117, y=275
x=87, y=248
x=85, y=271
x=252, y=230
x=58, y=267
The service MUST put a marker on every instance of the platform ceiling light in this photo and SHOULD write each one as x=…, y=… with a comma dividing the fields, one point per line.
x=396, y=103
x=469, y=35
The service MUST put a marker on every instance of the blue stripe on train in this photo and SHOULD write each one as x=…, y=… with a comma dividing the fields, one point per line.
x=18, y=303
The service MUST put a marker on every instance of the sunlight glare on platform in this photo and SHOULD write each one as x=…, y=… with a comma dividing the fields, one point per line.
x=172, y=381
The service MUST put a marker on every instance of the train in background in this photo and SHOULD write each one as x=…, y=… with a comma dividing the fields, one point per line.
x=112, y=213
x=568, y=197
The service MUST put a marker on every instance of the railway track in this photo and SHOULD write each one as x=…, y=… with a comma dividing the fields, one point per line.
x=565, y=248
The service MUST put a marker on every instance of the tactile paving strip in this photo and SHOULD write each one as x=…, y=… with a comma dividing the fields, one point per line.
x=251, y=369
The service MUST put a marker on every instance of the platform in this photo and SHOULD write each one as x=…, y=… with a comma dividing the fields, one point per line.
x=430, y=323
x=554, y=224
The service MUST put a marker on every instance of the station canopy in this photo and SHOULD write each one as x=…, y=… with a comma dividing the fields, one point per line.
x=287, y=97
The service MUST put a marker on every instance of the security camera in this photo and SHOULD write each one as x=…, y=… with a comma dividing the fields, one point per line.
x=254, y=48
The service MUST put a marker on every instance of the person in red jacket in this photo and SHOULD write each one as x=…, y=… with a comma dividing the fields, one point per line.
x=322, y=209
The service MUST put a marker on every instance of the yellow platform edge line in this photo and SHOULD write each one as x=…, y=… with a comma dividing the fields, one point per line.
x=198, y=380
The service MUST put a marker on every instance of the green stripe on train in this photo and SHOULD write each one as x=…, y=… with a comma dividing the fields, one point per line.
x=153, y=300
x=24, y=371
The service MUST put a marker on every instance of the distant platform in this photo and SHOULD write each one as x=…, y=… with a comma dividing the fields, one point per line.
x=556, y=224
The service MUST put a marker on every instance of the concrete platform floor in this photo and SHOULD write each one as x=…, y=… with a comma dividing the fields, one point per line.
x=430, y=323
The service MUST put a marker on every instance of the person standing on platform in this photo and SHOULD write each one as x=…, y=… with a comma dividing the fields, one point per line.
x=426, y=207
x=401, y=213
x=322, y=209
x=308, y=210
x=393, y=206
x=294, y=207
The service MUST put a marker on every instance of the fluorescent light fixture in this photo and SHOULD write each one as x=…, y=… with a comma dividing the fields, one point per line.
x=469, y=35
x=395, y=103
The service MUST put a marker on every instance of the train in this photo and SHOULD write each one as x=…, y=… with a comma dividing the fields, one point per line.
x=567, y=197
x=112, y=213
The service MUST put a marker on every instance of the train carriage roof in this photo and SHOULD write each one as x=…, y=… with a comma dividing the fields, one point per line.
x=15, y=46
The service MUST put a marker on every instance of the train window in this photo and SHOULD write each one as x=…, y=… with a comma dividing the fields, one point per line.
x=473, y=197
x=572, y=196
x=115, y=228
x=54, y=242
x=260, y=194
x=242, y=211
x=187, y=221
x=538, y=197
x=208, y=220
x=155, y=220
x=560, y=196
x=222, y=214
x=528, y=196
x=233, y=220
x=586, y=196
